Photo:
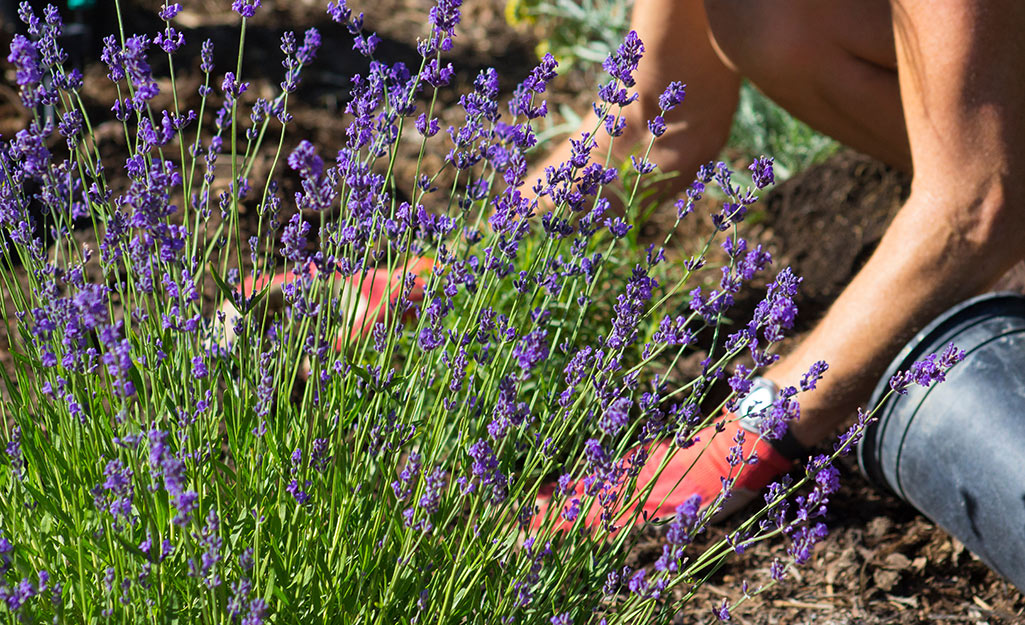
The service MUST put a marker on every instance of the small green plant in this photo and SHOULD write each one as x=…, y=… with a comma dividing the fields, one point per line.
x=573, y=30
x=583, y=32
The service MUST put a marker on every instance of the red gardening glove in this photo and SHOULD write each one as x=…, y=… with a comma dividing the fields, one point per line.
x=672, y=488
x=366, y=293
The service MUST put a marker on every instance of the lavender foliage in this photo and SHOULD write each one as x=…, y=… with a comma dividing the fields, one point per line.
x=231, y=405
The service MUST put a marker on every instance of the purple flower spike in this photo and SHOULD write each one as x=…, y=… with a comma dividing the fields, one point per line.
x=672, y=96
x=616, y=417
x=761, y=172
x=245, y=8
x=207, y=57
x=169, y=11
x=932, y=368
x=814, y=374
x=722, y=612
x=444, y=17
x=14, y=453
x=622, y=63
x=304, y=160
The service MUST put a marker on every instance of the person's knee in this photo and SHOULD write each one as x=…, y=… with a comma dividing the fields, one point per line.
x=765, y=42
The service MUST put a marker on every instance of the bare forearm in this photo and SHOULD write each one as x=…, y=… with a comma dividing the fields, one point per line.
x=924, y=264
x=961, y=228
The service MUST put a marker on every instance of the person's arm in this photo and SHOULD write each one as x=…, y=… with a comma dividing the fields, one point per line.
x=961, y=67
x=678, y=46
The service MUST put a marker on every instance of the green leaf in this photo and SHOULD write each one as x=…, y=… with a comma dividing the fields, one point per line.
x=130, y=547
x=226, y=291
x=229, y=293
x=25, y=360
x=48, y=505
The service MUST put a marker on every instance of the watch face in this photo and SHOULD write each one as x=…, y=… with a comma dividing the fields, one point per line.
x=760, y=397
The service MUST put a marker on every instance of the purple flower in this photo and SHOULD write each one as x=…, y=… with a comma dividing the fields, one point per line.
x=164, y=464
x=207, y=57
x=169, y=11
x=239, y=595
x=622, y=63
x=14, y=453
x=169, y=40
x=19, y=595
x=304, y=160
x=722, y=612
x=774, y=314
x=245, y=8
x=319, y=458
x=119, y=492
x=301, y=496
x=657, y=126
x=638, y=585
x=672, y=96
x=630, y=307
x=740, y=382
x=804, y=540
x=6, y=548
x=232, y=88
x=616, y=416
x=444, y=17
x=136, y=67
x=532, y=350
x=613, y=580
x=673, y=332
x=199, y=370
x=186, y=503
x=257, y=612
x=827, y=479
x=525, y=588
x=293, y=239
x=849, y=438
x=311, y=42
x=295, y=59
x=339, y=12
x=932, y=368
x=642, y=166
x=29, y=18
x=573, y=511
x=598, y=460
x=814, y=374
x=436, y=75
x=403, y=487
x=680, y=530
x=485, y=468
x=425, y=127
x=434, y=485
x=535, y=83
x=776, y=419
x=211, y=543
x=25, y=58
x=761, y=171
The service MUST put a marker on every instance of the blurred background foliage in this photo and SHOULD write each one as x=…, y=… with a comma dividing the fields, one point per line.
x=581, y=33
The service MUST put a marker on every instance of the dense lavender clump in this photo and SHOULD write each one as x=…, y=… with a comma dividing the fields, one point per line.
x=360, y=423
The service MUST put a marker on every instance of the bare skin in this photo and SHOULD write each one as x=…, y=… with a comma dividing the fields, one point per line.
x=934, y=87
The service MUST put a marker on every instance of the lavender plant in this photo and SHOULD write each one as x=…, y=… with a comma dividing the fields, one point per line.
x=171, y=457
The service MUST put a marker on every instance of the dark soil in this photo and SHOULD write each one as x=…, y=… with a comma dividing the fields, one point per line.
x=883, y=562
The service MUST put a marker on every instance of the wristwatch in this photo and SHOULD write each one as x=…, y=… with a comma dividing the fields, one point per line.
x=751, y=410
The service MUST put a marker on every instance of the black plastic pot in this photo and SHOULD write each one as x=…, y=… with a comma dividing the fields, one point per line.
x=956, y=451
